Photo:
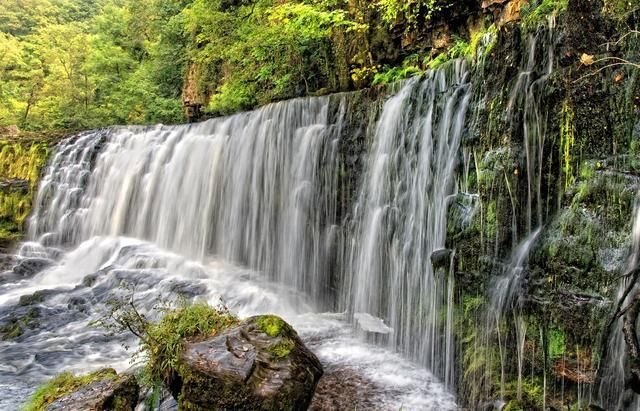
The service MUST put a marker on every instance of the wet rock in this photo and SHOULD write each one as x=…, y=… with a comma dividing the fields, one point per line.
x=260, y=364
x=344, y=389
x=120, y=393
x=189, y=290
x=14, y=185
x=78, y=303
x=35, y=298
x=371, y=324
x=17, y=324
x=441, y=258
x=31, y=266
x=157, y=399
x=7, y=261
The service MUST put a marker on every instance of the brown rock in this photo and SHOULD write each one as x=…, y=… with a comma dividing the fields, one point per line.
x=511, y=12
x=119, y=394
x=260, y=364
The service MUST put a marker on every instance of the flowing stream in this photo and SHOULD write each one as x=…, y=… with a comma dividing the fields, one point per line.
x=243, y=210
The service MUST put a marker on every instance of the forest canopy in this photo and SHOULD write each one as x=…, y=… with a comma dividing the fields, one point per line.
x=75, y=64
x=78, y=64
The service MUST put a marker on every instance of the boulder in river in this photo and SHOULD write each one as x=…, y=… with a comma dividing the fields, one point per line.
x=29, y=267
x=120, y=393
x=260, y=364
x=101, y=390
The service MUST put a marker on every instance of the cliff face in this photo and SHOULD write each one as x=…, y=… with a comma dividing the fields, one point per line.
x=548, y=163
x=22, y=159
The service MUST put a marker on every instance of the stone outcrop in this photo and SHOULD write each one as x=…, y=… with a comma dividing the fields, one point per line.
x=120, y=393
x=260, y=364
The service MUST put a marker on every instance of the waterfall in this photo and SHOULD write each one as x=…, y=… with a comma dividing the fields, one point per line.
x=258, y=189
x=400, y=216
x=610, y=390
x=250, y=208
x=527, y=109
x=503, y=298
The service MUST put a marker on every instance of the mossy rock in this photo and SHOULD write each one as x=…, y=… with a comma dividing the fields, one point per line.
x=100, y=390
x=260, y=364
x=17, y=324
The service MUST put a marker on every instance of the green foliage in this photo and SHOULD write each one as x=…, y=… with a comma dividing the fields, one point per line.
x=408, y=69
x=89, y=63
x=163, y=341
x=22, y=161
x=557, y=343
x=482, y=42
x=621, y=9
x=62, y=385
x=532, y=395
x=410, y=11
x=535, y=12
x=260, y=51
x=460, y=49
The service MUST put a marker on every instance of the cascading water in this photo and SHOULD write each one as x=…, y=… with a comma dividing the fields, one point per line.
x=611, y=393
x=526, y=98
x=503, y=296
x=241, y=209
x=502, y=324
x=257, y=189
x=400, y=217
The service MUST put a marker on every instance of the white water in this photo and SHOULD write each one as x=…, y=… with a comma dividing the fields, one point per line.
x=256, y=188
x=503, y=299
x=400, y=217
x=240, y=209
x=610, y=393
x=527, y=94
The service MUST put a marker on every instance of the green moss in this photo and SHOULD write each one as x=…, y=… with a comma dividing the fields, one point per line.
x=271, y=325
x=483, y=41
x=35, y=298
x=535, y=12
x=621, y=9
x=460, y=48
x=491, y=220
x=62, y=385
x=11, y=331
x=472, y=304
x=17, y=325
x=557, y=346
x=282, y=349
x=567, y=141
x=531, y=398
x=23, y=161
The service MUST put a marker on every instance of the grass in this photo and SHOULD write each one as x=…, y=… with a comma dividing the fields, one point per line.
x=62, y=385
x=164, y=340
x=535, y=12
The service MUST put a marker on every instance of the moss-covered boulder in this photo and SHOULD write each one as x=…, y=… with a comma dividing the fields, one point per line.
x=100, y=390
x=260, y=364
